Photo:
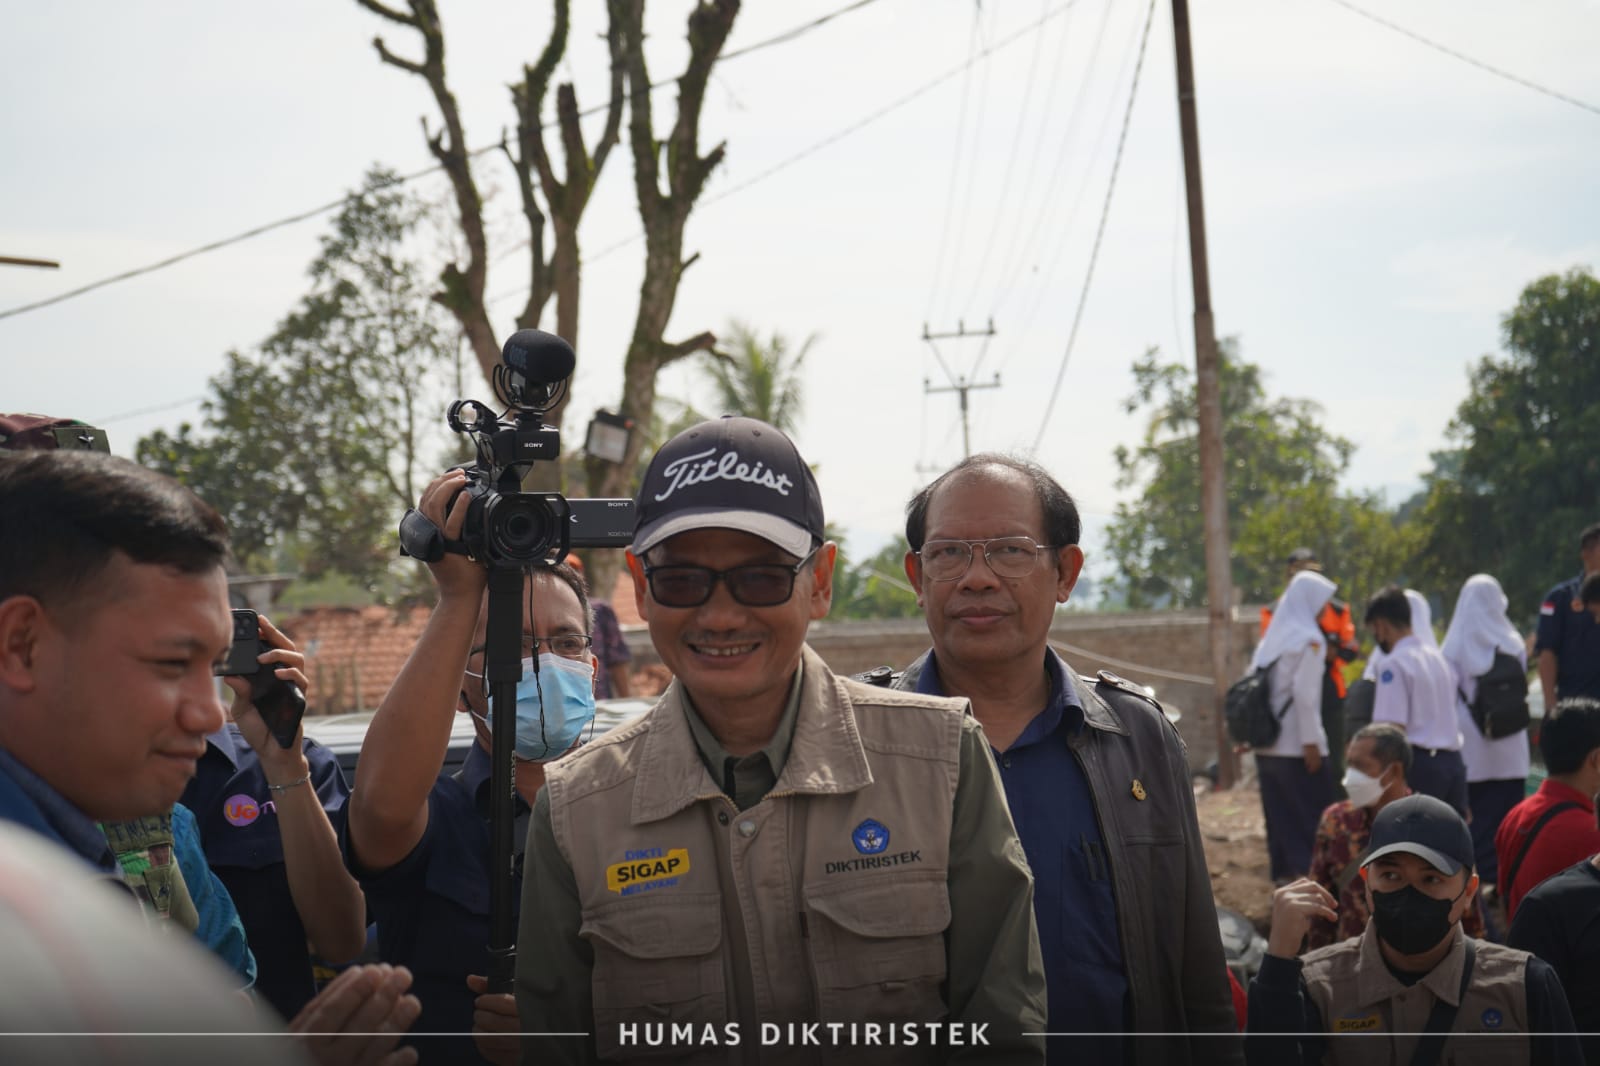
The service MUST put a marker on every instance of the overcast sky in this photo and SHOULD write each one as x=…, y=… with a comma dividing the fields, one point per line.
x=1373, y=206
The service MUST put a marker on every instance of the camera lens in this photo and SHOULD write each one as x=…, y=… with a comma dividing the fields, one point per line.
x=520, y=527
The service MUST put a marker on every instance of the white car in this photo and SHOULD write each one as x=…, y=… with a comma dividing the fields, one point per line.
x=343, y=733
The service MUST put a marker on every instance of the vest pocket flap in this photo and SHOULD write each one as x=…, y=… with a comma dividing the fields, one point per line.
x=664, y=927
x=889, y=908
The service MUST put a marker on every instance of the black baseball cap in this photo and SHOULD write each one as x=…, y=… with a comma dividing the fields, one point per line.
x=1426, y=827
x=730, y=473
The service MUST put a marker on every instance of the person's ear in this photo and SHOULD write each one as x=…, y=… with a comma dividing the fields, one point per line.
x=1069, y=564
x=22, y=625
x=821, y=584
x=640, y=585
x=913, y=564
x=1459, y=911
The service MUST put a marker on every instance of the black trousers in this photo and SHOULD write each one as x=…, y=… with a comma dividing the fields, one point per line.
x=1293, y=801
x=1440, y=774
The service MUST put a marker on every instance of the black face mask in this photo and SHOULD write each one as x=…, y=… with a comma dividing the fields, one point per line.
x=1410, y=921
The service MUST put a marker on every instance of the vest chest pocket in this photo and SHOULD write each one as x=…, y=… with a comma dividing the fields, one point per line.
x=657, y=963
x=877, y=948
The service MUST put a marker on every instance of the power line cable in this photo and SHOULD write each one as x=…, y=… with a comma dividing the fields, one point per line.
x=955, y=167
x=1001, y=200
x=1034, y=225
x=1023, y=217
x=1100, y=232
x=1041, y=291
x=787, y=35
x=157, y=409
x=854, y=127
x=976, y=155
x=1480, y=64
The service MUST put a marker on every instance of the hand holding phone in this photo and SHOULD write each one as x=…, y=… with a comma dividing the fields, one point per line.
x=277, y=700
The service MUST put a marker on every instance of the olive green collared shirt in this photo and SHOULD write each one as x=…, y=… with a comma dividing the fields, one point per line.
x=746, y=780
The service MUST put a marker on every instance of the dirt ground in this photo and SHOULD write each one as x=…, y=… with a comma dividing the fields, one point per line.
x=1234, y=831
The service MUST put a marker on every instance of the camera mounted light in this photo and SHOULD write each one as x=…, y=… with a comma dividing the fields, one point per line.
x=608, y=436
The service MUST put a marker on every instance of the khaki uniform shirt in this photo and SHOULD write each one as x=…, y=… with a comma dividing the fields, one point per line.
x=879, y=881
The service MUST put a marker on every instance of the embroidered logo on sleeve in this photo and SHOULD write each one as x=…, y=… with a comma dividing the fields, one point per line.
x=644, y=869
x=1386, y=677
x=1547, y=607
x=1492, y=1019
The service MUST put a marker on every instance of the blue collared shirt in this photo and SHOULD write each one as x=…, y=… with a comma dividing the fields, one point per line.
x=28, y=799
x=1073, y=902
x=238, y=824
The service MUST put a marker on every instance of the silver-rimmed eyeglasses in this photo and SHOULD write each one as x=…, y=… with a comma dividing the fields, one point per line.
x=947, y=560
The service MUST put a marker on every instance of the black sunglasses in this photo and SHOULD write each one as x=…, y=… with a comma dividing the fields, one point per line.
x=758, y=585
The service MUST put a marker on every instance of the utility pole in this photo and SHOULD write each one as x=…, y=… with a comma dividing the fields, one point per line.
x=958, y=384
x=1213, y=486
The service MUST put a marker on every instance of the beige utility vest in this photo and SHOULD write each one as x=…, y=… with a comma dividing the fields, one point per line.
x=825, y=902
x=1357, y=994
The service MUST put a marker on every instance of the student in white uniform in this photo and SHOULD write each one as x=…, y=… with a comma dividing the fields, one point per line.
x=1296, y=780
x=1417, y=692
x=1497, y=770
x=1421, y=628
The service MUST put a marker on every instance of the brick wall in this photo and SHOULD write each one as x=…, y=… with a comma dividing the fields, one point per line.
x=353, y=654
x=1172, y=641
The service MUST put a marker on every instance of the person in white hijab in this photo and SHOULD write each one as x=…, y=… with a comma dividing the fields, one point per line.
x=1497, y=770
x=1296, y=781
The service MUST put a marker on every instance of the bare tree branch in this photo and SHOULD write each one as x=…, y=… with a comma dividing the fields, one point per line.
x=462, y=288
x=395, y=61
x=700, y=342
x=387, y=12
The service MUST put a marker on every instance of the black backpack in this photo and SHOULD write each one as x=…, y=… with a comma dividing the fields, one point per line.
x=1247, y=711
x=1501, y=705
x=1358, y=701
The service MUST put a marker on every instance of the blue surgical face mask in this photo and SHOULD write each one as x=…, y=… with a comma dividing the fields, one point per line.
x=553, y=708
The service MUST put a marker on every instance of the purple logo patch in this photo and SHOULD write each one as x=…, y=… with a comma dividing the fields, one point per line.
x=240, y=810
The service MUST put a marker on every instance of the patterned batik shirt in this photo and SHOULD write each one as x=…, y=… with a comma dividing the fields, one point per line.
x=1342, y=836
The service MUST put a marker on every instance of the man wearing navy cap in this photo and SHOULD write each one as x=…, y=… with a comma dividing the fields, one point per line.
x=775, y=863
x=1412, y=976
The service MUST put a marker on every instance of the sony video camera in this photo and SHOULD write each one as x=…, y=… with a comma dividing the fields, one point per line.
x=507, y=528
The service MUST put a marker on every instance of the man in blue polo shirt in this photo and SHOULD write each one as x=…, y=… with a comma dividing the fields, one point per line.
x=1094, y=773
x=1568, y=644
x=419, y=842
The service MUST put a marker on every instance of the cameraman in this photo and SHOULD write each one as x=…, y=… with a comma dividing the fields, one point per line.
x=418, y=841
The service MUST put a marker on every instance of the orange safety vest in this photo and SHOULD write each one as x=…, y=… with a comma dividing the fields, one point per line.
x=1340, y=630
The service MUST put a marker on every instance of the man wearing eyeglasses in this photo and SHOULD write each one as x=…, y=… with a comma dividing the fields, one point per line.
x=775, y=863
x=418, y=841
x=1094, y=773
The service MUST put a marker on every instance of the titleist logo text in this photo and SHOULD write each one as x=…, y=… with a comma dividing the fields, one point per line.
x=697, y=468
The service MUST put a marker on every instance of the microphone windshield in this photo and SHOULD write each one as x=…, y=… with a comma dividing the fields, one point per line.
x=541, y=358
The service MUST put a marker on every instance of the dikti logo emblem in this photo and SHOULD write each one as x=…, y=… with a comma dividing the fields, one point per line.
x=870, y=837
x=240, y=810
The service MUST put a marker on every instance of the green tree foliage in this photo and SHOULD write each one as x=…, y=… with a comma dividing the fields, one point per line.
x=1524, y=480
x=760, y=378
x=314, y=445
x=1282, y=468
x=874, y=586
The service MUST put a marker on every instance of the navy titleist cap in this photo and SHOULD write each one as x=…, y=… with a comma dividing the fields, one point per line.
x=730, y=473
x=1425, y=827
